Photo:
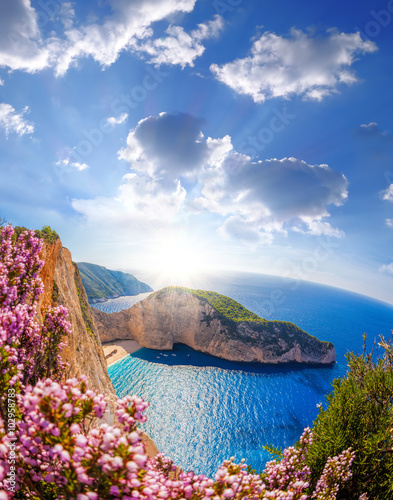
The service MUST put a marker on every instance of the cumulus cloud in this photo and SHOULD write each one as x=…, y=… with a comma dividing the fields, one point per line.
x=127, y=28
x=251, y=231
x=112, y=120
x=178, y=47
x=389, y=222
x=177, y=171
x=11, y=121
x=275, y=195
x=387, y=194
x=387, y=268
x=128, y=23
x=299, y=64
x=21, y=44
x=167, y=147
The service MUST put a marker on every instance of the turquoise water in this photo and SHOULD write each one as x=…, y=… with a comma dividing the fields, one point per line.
x=204, y=410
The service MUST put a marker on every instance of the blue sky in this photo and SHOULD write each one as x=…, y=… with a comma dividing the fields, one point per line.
x=199, y=135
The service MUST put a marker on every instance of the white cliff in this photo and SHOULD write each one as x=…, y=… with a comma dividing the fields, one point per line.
x=173, y=316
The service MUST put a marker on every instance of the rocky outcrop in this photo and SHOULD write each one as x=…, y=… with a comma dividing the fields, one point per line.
x=63, y=286
x=168, y=317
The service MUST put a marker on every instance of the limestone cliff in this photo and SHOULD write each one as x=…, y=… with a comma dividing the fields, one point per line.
x=173, y=316
x=63, y=286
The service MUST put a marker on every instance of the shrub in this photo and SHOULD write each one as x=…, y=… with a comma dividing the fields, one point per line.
x=359, y=414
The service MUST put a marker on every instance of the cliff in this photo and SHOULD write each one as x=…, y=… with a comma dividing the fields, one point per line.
x=63, y=286
x=101, y=283
x=178, y=315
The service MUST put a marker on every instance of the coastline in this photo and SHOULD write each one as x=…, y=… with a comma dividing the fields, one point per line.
x=118, y=349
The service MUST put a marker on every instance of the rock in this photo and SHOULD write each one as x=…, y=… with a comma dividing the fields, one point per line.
x=175, y=315
x=84, y=353
x=63, y=286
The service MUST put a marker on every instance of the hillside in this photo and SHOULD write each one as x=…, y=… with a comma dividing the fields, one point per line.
x=225, y=306
x=213, y=324
x=101, y=283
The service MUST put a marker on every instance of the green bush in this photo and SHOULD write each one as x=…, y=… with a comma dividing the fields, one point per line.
x=359, y=415
x=47, y=234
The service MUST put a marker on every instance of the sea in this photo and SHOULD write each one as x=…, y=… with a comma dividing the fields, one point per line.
x=204, y=410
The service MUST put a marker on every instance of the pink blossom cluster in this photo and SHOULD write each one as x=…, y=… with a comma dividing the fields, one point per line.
x=336, y=469
x=56, y=450
x=291, y=471
x=28, y=350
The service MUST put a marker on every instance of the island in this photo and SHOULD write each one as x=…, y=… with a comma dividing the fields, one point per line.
x=214, y=324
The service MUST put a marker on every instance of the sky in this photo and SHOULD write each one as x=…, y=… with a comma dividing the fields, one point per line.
x=204, y=135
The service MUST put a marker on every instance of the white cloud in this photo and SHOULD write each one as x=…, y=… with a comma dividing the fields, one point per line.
x=21, y=45
x=128, y=28
x=373, y=130
x=249, y=231
x=387, y=268
x=167, y=147
x=72, y=164
x=370, y=126
x=387, y=194
x=274, y=195
x=129, y=23
x=67, y=15
x=179, y=47
x=389, y=222
x=1, y=82
x=140, y=203
x=112, y=120
x=318, y=228
x=11, y=121
x=177, y=172
x=299, y=64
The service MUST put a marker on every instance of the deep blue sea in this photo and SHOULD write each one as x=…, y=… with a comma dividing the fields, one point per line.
x=204, y=410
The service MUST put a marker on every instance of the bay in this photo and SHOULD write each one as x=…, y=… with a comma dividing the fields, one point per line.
x=204, y=410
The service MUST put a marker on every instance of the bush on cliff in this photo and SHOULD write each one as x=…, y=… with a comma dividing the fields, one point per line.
x=50, y=447
x=359, y=414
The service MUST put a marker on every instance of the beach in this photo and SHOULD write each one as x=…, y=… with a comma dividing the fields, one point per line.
x=118, y=349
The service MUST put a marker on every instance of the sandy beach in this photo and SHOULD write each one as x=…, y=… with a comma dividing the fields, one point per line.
x=113, y=351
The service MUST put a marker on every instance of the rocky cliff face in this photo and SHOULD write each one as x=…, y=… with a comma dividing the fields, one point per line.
x=63, y=286
x=168, y=317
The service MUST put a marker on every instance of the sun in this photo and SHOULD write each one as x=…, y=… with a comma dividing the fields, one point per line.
x=179, y=259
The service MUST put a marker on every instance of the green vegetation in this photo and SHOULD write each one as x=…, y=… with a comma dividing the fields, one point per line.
x=55, y=292
x=47, y=234
x=102, y=283
x=225, y=306
x=359, y=415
